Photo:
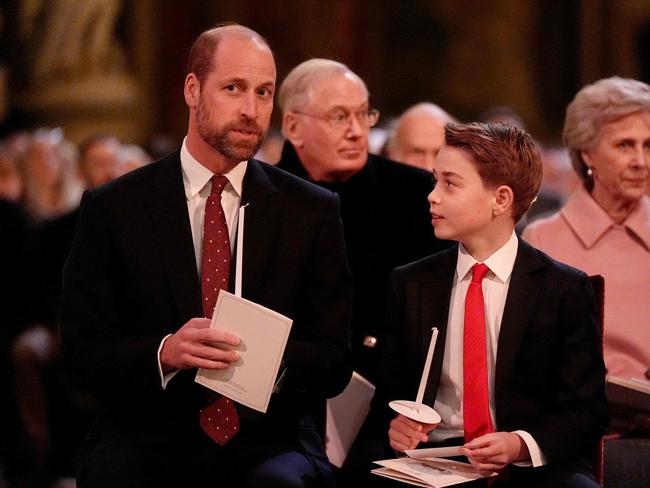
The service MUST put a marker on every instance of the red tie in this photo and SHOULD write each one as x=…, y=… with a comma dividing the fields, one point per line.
x=476, y=405
x=219, y=419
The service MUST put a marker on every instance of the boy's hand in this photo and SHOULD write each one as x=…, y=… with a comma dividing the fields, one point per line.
x=493, y=452
x=405, y=433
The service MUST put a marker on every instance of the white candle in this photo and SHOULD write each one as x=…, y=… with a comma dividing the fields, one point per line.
x=427, y=367
x=239, y=270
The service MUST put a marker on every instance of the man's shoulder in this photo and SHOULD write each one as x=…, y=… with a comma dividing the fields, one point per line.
x=162, y=172
x=292, y=185
x=391, y=170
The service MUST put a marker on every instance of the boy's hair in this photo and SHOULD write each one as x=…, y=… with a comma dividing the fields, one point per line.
x=504, y=155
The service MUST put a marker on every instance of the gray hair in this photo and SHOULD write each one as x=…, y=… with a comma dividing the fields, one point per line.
x=294, y=90
x=595, y=105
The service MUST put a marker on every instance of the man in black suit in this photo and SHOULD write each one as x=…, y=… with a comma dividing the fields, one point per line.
x=327, y=119
x=132, y=313
x=541, y=374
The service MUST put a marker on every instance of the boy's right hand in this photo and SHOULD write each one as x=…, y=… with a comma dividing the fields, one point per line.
x=405, y=434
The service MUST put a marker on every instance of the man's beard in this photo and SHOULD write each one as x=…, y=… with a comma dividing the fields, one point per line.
x=219, y=138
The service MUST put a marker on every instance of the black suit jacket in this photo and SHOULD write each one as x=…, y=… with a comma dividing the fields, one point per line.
x=549, y=378
x=387, y=223
x=131, y=279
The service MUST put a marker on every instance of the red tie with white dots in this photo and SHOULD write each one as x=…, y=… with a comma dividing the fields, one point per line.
x=219, y=419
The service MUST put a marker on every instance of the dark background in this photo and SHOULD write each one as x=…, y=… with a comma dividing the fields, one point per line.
x=463, y=55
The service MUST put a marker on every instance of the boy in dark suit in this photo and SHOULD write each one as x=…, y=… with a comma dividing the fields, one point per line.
x=517, y=373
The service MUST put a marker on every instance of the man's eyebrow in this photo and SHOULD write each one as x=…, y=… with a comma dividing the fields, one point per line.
x=233, y=81
x=244, y=81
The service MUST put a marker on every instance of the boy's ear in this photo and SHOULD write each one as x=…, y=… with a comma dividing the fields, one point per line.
x=503, y=200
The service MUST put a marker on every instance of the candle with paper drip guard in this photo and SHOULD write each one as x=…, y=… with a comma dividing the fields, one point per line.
x=417, y=410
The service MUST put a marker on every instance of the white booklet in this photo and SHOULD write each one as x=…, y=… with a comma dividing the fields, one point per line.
x=431, y=472
x=346, y=414
x=263, y=333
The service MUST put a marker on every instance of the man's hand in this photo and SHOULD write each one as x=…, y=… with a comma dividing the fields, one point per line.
x=493, y=452
x=195, y=345
x=405, y=433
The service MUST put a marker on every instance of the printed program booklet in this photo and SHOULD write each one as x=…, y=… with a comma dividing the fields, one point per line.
x=434, y=472
x=263, y=334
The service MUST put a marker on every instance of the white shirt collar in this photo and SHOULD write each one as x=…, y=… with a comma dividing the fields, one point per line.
x=196, y=176
x=500, y=262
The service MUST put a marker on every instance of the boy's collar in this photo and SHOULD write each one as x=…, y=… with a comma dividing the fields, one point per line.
x=500, y=262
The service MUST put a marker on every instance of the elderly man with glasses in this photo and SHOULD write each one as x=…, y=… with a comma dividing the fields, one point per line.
x=326, y=118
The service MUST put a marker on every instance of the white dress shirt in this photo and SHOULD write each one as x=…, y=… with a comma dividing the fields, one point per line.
x=197, y=185
x=449, y=400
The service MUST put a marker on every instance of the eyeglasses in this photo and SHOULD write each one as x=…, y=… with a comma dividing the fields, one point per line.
x=341, y=119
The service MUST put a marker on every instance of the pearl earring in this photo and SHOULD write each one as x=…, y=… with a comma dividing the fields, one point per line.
x=590, y=172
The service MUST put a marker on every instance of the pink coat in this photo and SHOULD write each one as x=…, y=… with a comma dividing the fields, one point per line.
x=582, y=235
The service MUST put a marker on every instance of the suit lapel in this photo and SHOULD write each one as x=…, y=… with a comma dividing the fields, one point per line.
x=167, y=206
x=435, y=295
x=260, y=196
x=517, y=313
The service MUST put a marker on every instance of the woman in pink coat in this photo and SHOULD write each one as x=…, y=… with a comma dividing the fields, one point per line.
x=604, y=228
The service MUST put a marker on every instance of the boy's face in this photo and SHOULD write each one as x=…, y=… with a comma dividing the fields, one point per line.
x=461, y=206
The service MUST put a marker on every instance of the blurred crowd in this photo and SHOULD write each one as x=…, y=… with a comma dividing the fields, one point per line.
x=42, y=178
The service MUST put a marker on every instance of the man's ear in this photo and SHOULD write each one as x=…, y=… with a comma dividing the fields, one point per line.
x=292, y=129
x=504, y=198
x=192, y=90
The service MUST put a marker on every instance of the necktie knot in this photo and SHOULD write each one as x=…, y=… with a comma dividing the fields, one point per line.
x=479, y=270
x=219, y=182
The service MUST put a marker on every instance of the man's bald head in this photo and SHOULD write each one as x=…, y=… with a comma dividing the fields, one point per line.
x=418, y=135
x=200, y=59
